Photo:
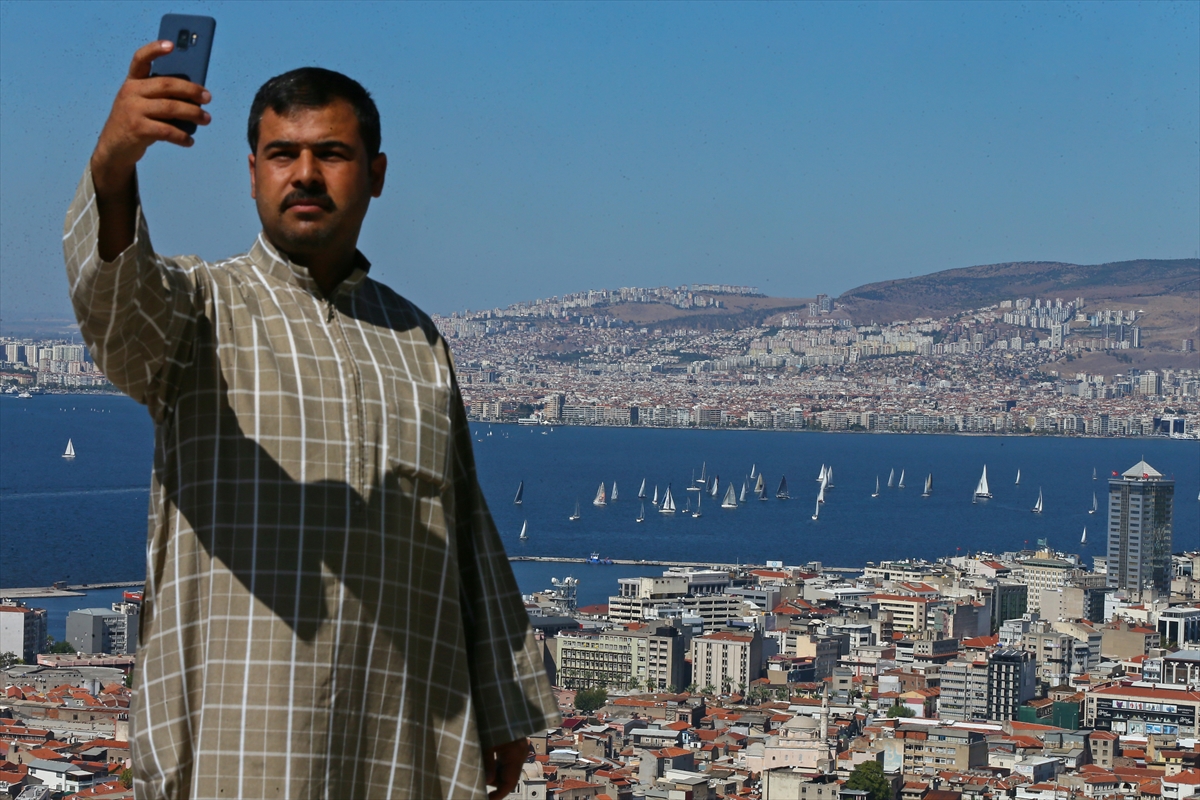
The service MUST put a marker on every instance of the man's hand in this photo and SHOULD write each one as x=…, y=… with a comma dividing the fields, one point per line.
x=502, y=766
x=138, y=119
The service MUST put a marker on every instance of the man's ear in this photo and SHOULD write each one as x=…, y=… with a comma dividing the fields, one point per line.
x=378, y=169
x=253, y=186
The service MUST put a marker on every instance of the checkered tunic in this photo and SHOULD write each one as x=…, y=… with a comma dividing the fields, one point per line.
x=329, y=611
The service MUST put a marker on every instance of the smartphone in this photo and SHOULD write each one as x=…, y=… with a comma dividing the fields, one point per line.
x=193, y=37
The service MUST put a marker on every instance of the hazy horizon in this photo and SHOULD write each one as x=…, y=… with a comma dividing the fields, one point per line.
x=539, y=149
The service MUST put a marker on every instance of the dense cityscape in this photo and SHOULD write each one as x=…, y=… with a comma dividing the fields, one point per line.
x=1034, y=675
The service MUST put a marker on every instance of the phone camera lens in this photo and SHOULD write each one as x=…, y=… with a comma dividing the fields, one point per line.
x=185, y=38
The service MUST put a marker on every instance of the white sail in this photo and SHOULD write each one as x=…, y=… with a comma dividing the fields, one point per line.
x=829, y=477
x=982, y=489
x=821, y=495
x=642, y=516
x=1018, y=476
x=70, y=452
x=696, y=513
x=752, y=468
x=520, y=493
x=654, y=502
x=901, y=484
x=668, y=503
x=743, y=495
x=613, y=497
x=524, y=526
x=876, y=487
x=817, y=510
x=928, y=485
x=703, y=473
x=600, y=498
x=1093, y=511
x=760, y=486
x=1083, y=540
x=891, y=478
x=576, y=515
x=1093, y=473
x=782, y=492
x=821, y=475
x=642, y=491
x=716, y=484
x=1037, y=509
x=730, y=500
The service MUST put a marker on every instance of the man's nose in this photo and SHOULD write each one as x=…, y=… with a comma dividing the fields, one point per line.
x=308, y=169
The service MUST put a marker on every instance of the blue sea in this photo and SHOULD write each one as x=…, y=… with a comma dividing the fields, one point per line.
x=84, y=520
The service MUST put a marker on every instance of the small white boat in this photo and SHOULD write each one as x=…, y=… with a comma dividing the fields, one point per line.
x=576, y=515
x=821, y=475
x=703, y=479
x=900, y=485
x=1037, y=509
x=668, y=503
x=1093, y=511
x=829, y=477
x=928, y=486
x=742, y=498
x=716, y=484
x=752, y=468
x=782, y=492
x=696, y=513
x=730, y=500
x=1083, y=539
x=600, y=498
x=760, y=487
x=613, y=497
x=642, y=516
x=654, y=502
x=524, y=536
x=70, y=452
x=520, y=494
x=817, y=511
x=876, y=494
x=891, y=478
x=642, y=491
x=1018, y=482
x=1093, y=473
x=982, y=489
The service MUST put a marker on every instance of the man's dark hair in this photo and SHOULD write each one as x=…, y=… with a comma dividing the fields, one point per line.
x=313, y=87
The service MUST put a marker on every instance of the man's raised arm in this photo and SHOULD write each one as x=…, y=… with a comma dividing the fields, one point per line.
x=132, y=305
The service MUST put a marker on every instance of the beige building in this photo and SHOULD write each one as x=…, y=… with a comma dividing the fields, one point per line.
x=632, y=655
x=1045, y=574
x=726, y=660
x=908, y=613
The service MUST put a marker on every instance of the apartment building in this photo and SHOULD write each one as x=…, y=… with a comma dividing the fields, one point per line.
x=908, y=613
x=964, y=690
x=726, y=659
x=1140, y=508
x=633, y=655
x=917, y=750
x=1012, y=680
x=1142, y=710
x=23, y=632
x=1045, y=574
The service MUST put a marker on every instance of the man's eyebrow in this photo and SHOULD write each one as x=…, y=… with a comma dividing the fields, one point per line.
x=324, y=144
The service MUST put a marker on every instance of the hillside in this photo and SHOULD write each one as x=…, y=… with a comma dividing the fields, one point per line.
x=1168, y=291
x=739, y=312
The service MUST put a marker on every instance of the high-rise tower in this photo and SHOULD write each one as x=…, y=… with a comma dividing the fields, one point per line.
x=1140, y=505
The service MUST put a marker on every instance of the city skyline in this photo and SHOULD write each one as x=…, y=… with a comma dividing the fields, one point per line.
x=802, y=148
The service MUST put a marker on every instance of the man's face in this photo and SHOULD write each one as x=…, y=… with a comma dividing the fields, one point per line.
x=312, y=180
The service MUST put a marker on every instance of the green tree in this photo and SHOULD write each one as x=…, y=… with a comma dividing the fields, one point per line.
x=899, y=710
x=868, y=776
x=9, y=659
x=65, y=648
x=126, y=778
x=588, y=700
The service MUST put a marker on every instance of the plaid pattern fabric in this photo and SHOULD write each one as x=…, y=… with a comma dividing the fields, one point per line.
x=329, y=611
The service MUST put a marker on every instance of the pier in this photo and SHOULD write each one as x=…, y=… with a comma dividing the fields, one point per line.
x=76, y=590
x=633, y=562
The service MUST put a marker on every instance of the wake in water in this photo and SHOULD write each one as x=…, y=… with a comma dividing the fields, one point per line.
x=9, y=495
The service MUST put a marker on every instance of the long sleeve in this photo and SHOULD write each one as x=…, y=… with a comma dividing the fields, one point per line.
x=509, y=689
x=134, y=311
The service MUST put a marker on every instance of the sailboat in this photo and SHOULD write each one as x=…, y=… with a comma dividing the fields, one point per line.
x=520, y=493
x=600, y=499
x=982, y=489
x=642, y=516
x=752, y=468
x=576, y=515
x=703, y=479
x=876, y=487
x=668, y=503
x=901, y=484
x=1018, y=483
x=613, y=498
x=70, y=452
x=891, y=478
x=716, y=484
x=524, y=536
x=928, y=486
x=1093, y=511
x=821, y=475
x=1037, y=509
x=829, y=477
x=696, y=513
x=742, y=498
x=782, y=493
x=821, y=495
x=760, y=488
x=654, y=502
x=642, y=491
x=687, y=507
x=1093, y=473
x=730, y=500
x=1083, y=539
x=817, y=510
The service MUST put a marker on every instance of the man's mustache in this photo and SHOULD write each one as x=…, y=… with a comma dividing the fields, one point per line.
x=302, y=197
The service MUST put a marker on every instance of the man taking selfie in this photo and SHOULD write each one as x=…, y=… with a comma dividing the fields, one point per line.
x=329, y=611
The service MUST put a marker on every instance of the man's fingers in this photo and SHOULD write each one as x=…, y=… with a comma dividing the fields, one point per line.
x=139, y=67
x=166, y=132
x=176, y=88
x=176, y=109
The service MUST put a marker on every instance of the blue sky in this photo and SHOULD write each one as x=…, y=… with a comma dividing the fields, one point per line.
x=544, y=148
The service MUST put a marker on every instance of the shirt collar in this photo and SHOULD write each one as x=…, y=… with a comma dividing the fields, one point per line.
x=270, y=260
